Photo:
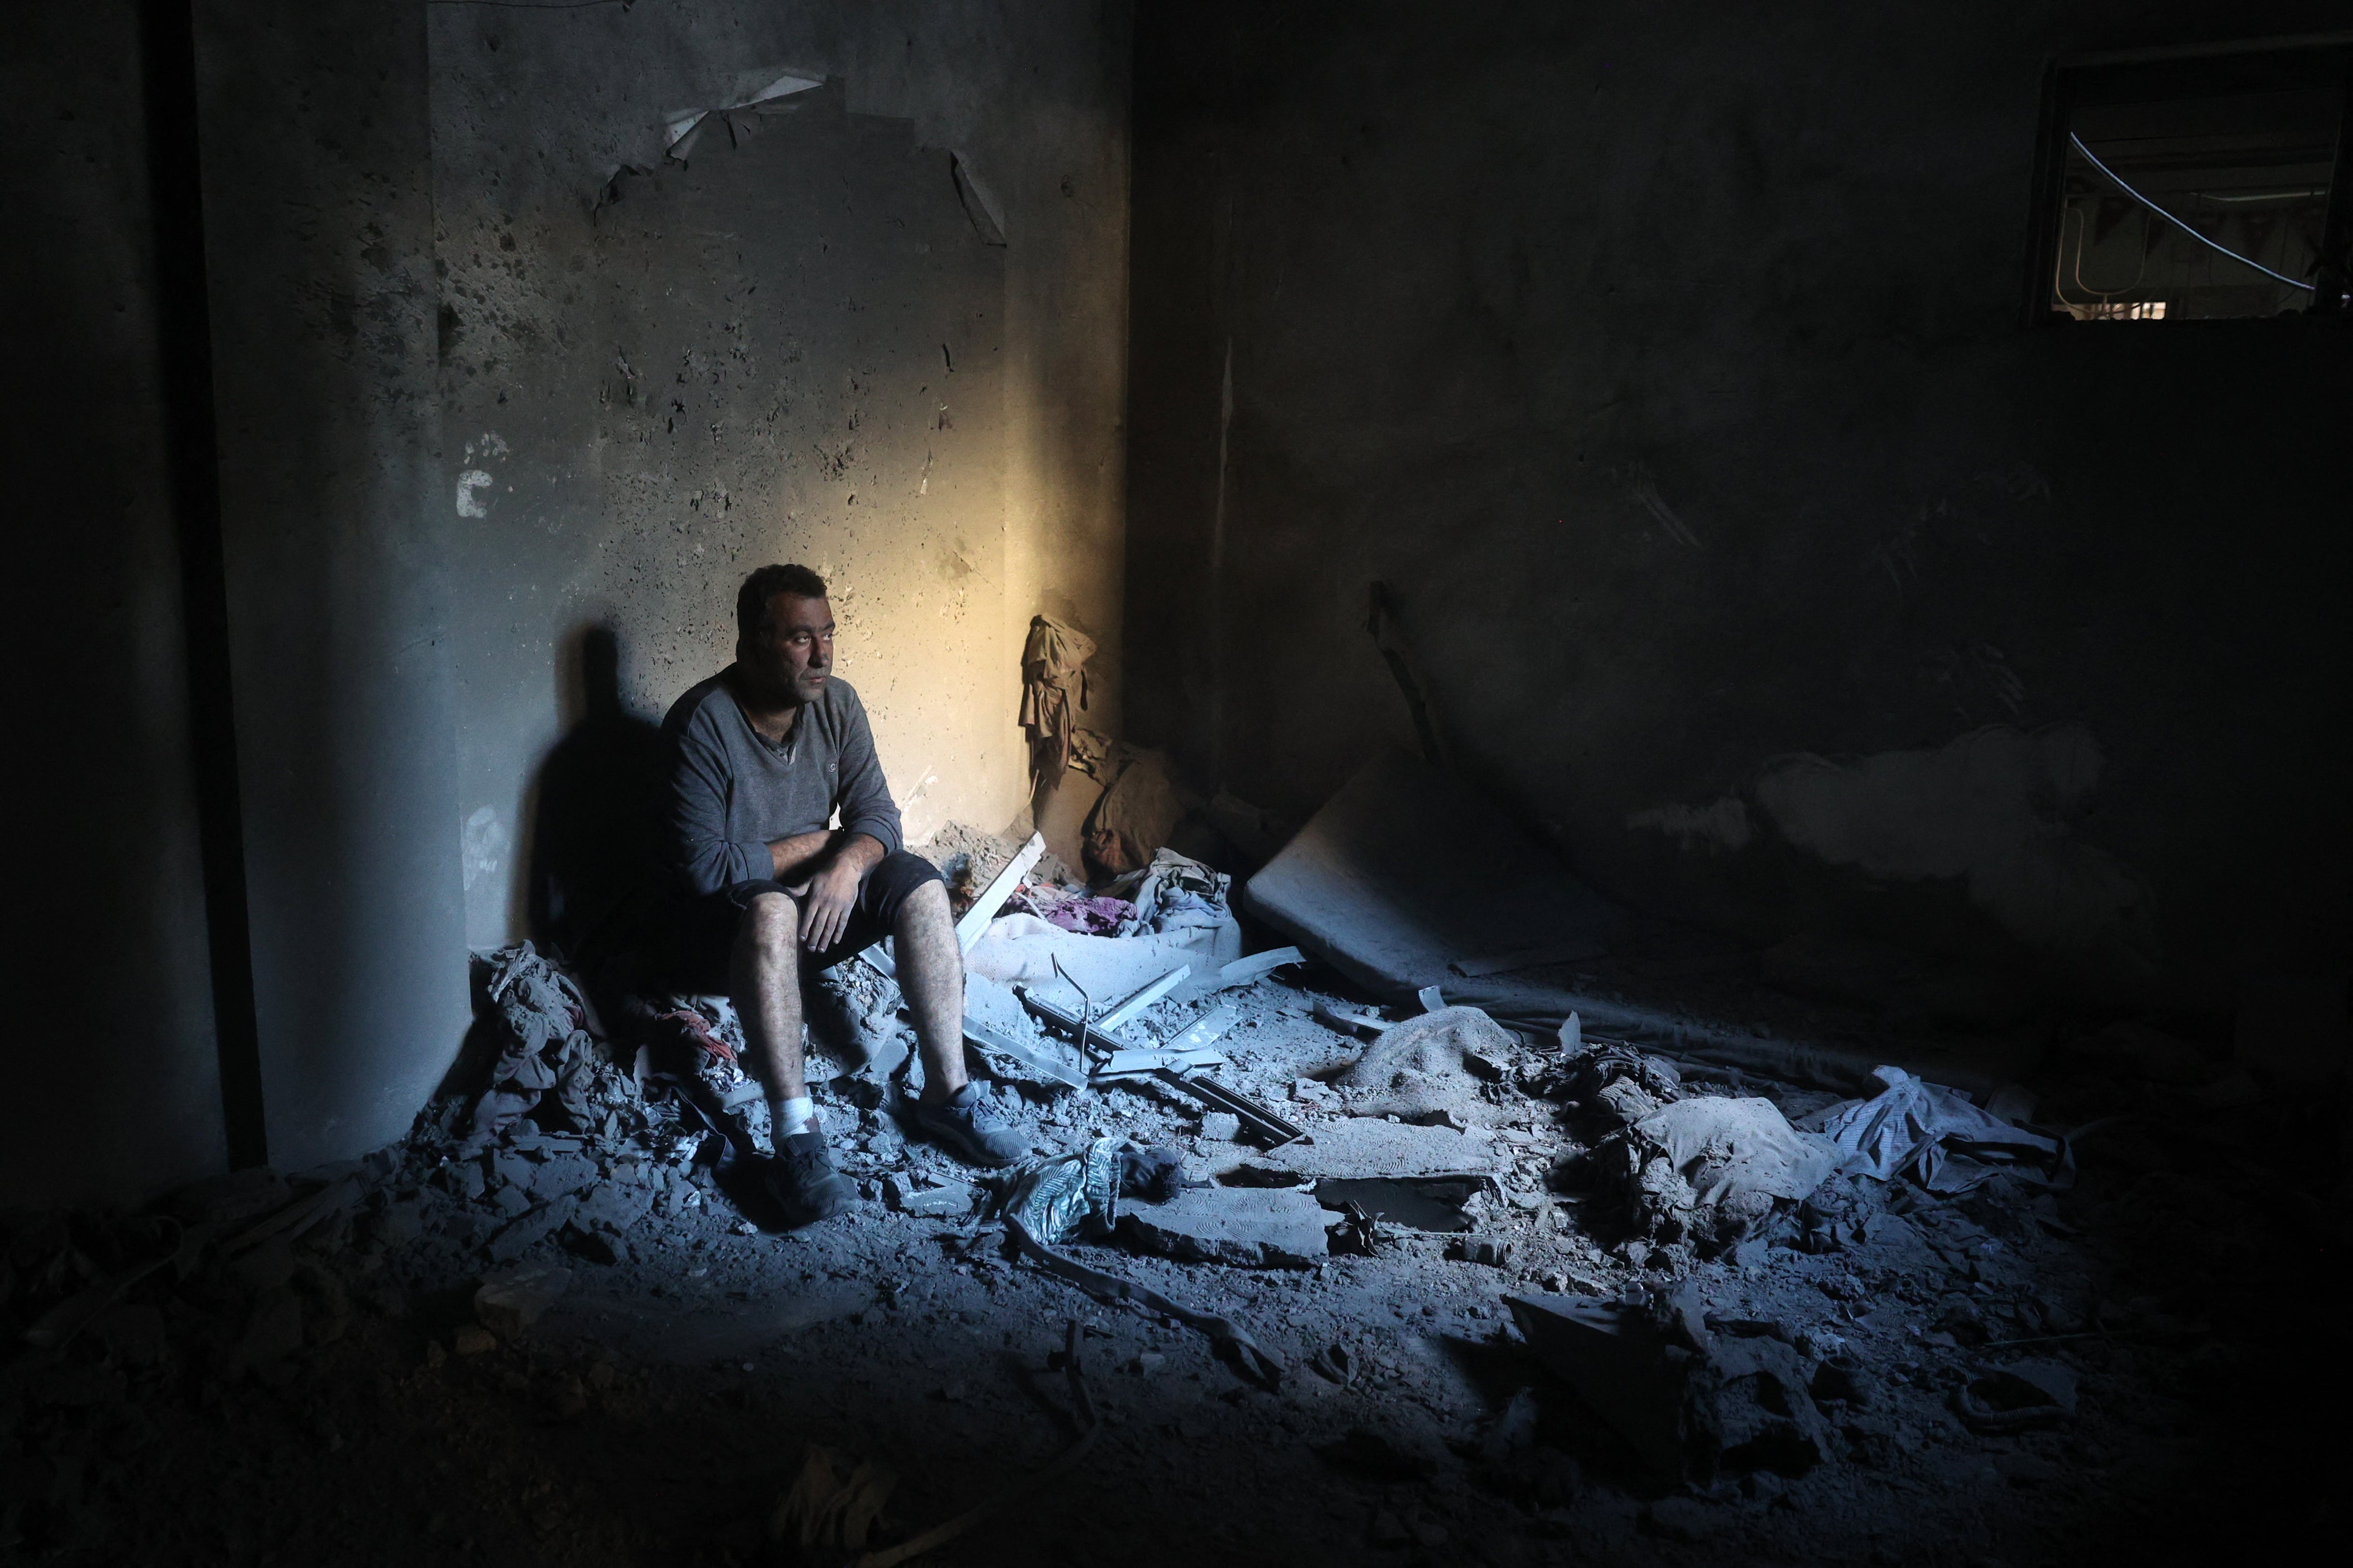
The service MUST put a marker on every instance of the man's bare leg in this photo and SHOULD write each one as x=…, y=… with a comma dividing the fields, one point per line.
x=764, y=974
x=931, y=975
x=765, y=978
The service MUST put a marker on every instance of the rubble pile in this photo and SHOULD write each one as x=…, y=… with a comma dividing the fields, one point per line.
x=1358, y=1282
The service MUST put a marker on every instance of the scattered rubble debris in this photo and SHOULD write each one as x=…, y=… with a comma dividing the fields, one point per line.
x=1814, y=1320
x=1693, y=1403
x=511, y=1300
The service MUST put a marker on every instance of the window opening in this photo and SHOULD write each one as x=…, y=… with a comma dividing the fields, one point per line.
x=2197, y=188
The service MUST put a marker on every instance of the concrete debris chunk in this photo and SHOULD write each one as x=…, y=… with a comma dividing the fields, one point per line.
x=614, y=1206
x=1364, y=1147
x=600, y=1247
x=1221, y=1127
x=561, y=1173
x=1692, y=1404
x=901, y=1193
x=520, y=1235
x=1254, y=1227
x=512, y=1300
x=1486, y=1250
x=1434, y=1204
x=1420, y=1070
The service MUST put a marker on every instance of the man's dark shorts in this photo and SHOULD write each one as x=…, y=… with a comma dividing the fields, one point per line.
x=702, y=933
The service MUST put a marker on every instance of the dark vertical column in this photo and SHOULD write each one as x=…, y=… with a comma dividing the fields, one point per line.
x=167, y=54
x=113, y=1080
x=316, y=125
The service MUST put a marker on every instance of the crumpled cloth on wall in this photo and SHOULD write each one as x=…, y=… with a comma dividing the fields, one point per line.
x=1053, y=693
x=1938, y=1138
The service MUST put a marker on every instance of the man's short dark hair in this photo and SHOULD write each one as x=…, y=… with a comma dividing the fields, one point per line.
x=752, y=598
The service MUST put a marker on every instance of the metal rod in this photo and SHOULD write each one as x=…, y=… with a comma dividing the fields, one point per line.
x=2178, y=223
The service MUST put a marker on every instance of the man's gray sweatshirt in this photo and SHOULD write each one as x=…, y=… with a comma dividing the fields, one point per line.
x=731, y=792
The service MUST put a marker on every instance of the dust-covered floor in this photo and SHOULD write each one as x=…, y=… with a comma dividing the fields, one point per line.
x=332, y=1398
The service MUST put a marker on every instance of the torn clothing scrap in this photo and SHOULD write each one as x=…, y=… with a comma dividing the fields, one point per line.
x=1053, y=693
x=1717, y=1170
x=542, y=1020
x=1097, y=916
x=1936, y=1137
x=1178, y=896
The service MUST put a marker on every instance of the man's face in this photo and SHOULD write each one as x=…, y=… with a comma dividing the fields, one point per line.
x=795, y=656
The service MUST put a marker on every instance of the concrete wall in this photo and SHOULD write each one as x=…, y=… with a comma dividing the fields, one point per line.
x=318, y=223
x=1667, y=362
x=112, y=1091
x=440, y=641
x=793, y=346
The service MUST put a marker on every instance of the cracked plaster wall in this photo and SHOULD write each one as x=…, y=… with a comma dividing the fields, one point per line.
x=794, y=346
x=437, y=479
x=1668, y=367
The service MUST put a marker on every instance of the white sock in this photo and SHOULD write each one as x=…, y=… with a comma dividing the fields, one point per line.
x=787, y=1117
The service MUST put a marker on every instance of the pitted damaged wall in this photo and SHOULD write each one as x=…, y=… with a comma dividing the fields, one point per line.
x=792, y=346
x=318, y=206
x=1668, y=368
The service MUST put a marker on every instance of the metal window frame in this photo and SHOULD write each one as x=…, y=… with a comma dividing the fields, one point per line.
x=2333, y=294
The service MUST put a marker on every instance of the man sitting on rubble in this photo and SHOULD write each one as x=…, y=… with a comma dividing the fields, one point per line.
x=763, y=756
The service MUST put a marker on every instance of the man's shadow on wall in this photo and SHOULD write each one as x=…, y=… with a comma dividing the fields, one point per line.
x=597, y=832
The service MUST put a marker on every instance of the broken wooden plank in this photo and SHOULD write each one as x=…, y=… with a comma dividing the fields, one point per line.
x=1197, y=1034
x=984, y=1037
x=1243, y=970
x=992, y=899
x=1144, y=998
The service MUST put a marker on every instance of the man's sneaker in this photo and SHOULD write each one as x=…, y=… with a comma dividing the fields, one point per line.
x=804, y=1183
x=955, y=1126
